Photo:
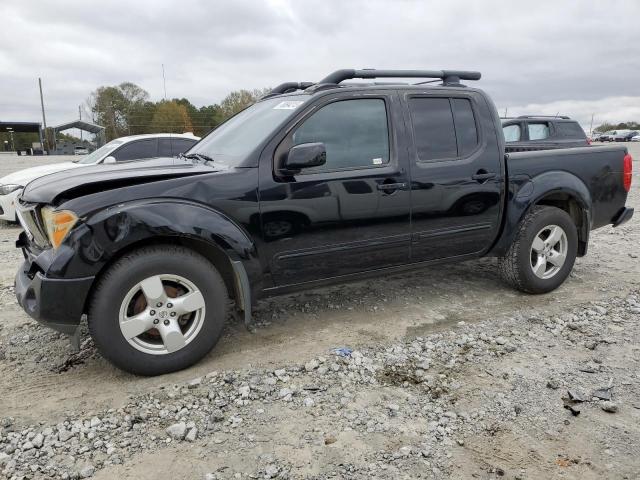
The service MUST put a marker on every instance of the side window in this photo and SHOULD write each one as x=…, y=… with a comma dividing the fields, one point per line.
x=466, y=132
x=433, y=129
x=181, y=145
x=354, y=132
x=538, y=131
x=164, y=147
x=511, y=133
x=137, y=149
x=570, y=130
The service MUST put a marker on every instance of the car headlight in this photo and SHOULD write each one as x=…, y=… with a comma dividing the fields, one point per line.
x=9, y=188
x=58, y=223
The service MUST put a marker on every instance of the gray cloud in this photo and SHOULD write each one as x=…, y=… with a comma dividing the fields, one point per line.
x=577, y=55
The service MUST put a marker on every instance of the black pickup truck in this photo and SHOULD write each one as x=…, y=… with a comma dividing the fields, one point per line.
x=316, y=183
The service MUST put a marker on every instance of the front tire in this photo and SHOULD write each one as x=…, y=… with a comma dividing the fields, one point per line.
x=543, y=252
x=158, y=310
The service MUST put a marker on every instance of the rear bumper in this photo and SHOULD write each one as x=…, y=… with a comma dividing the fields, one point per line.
x=623, y=216
x=56, y=303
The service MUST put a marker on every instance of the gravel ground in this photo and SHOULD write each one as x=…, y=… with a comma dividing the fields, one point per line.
x=442, y=373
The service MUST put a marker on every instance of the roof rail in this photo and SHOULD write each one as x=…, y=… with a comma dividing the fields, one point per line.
x=564, y=117
x=287, y=87
x=447, y=76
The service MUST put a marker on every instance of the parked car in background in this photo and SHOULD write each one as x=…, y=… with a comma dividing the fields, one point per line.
x=392, y=177
x=625, y=135
x=608, y=136
x=595, y=136
x=122, y=149
x=542, y=133
x=80, y=150
x=636, y=138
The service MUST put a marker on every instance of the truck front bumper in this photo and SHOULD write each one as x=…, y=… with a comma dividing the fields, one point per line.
x=56, y=303
x=623, y=216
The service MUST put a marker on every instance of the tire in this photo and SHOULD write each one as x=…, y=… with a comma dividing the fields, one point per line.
x=122, y=293
x=519, y=265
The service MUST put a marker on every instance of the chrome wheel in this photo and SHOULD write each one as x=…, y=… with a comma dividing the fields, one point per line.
x=162, y=314
x=549, y=251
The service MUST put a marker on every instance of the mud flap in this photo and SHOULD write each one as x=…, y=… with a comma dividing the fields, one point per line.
x=243, y=289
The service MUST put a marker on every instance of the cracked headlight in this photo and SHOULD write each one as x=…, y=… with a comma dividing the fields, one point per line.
x=9, y=188
x=58, y=223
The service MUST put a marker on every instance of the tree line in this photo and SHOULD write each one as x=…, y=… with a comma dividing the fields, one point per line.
x=605, y=127
x=126, y=109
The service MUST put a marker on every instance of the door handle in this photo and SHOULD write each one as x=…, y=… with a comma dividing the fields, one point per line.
x=482, y=176
x=393, y=186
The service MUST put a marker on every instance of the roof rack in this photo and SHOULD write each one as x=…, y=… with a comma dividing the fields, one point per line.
x=564, y=117
x=448, y=76
x=287, y=87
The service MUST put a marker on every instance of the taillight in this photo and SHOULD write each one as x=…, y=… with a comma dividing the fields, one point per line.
x=626, y=172
x=588, y=141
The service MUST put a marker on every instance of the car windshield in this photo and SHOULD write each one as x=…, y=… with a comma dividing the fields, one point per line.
x=100, y=153
x=232, y=141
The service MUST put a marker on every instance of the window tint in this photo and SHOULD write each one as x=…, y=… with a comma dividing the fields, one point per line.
x=164, y=147
x=181, y=145
x=433, y=128
x=538, y=131
x=354, y=133
x=570, y=130
x=136, y=150
x=466, y=132
x=511, y=133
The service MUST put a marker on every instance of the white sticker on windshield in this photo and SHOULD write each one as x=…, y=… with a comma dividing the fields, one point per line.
x=288, y=105
x=377, y=161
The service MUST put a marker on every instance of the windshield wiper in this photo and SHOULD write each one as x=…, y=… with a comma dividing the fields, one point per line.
x=197, y=156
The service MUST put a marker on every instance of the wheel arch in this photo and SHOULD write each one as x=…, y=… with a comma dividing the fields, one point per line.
x=213, y=235
x=558, y=189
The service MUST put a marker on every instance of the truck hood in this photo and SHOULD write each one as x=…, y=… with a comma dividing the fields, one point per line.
x=22, y=177
x=63, y=186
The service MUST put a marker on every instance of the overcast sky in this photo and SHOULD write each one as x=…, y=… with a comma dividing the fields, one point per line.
x=572, y=57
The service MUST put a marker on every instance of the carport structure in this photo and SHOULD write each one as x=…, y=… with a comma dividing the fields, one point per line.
x=23, y=127
x=85, y=126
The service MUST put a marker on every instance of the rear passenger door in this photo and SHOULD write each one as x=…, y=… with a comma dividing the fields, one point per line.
x=172, y=147
x=456, y=175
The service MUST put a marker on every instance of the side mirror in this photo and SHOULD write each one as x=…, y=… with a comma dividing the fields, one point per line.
x=109, y=159
x=305, y=155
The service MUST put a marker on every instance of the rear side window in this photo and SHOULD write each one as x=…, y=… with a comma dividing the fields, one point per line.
x=171, y=147
x=433, y=128
x=538, y=131
x=570, y=130
x=511, y=133
x=354, y=132
x=443, y=127
x=466, y=133
x=136, y=150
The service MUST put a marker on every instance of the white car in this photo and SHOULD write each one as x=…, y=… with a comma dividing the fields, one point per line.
x=635, y=138
x=134, y=147
x=79, y=150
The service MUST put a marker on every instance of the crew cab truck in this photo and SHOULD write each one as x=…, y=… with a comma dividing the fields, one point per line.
x=316, y=183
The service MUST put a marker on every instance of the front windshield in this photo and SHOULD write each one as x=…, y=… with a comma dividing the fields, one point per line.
x=232, y=141
x=99, y=154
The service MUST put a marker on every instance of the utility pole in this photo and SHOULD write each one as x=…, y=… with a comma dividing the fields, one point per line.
x=591, y=126
x=44, y=118
x=506, y=109
x=80, y=117
x=164, y=82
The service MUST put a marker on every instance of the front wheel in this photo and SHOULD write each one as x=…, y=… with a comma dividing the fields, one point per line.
x=157, y=310
x=543, y=252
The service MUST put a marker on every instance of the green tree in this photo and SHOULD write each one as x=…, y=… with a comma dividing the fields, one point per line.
x=171, y=117
x=239, y=100
x=117, y=107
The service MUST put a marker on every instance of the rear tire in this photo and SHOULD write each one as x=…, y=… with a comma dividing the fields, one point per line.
x=543, y=252
x=157, y=310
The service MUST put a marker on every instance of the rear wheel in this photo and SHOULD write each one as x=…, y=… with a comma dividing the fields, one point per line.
x=543, y=253
x=157, y=310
